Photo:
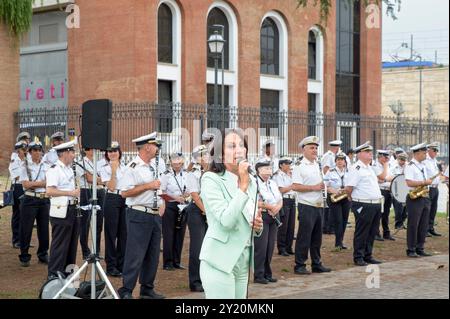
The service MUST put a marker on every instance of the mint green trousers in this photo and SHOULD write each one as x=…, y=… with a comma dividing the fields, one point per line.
x=220, y=285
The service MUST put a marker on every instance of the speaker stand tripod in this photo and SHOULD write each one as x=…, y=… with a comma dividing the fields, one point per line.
x=93, y=260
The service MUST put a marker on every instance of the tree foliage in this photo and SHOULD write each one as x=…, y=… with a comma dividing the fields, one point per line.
x=325, y=6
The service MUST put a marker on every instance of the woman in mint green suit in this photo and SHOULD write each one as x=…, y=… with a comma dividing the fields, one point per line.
x=228, y=193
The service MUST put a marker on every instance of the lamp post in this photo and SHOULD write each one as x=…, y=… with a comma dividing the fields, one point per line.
x=420, y=99
x=431, y=113
x=398, y=110
x=216, y=44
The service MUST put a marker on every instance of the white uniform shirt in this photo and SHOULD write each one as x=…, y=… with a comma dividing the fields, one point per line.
x=446, y=172
x=335, y=178
x=269, y=192
x=364, y=182
x=283, y=180
x=308, y=173
x=106, y=172
x=85, y=165
x=397, y=169
x=415, y=171
x=51, y=157
x=16, y=166
x=174, y=184
x=61, y=177
x=328, y=160
x=193, y=180
x=37, y=172
x=378, y=170
x=432, y=169
x=137, y=173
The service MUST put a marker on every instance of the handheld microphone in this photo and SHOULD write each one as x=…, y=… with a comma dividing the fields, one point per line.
x=249, y=169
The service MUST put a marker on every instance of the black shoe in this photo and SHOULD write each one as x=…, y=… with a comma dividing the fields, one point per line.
x=429, y=235
x=344, y=247
x=389, y=238
x=179, y=267
x=433, y=232
x=25, y=263
x=283, y=253
x=263, y=281
x=301, y=271
x=290, y=252
x=271, y=279
x=114, y=273
x=320, y=269
x=43, y=260
x=379, y=238
x=16, y=245
x=152, y=295
x=169, y=268
x=422, y=253
x=360, y=262
x=372, y=261
x=198, y=288
x=126, y=295
x=411, y=254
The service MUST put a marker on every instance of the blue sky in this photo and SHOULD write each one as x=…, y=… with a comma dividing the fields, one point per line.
x=427, y=20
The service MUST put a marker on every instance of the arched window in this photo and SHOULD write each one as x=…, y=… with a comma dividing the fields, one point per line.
x=270, y=48
x=312, y=56
x=165, y=34
x=217, y=16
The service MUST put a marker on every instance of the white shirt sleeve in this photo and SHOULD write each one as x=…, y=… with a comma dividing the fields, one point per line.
x=127, y=181
x=164, y=182
x=353, y=177
x=104, y=175
x=409, y=173
x=191, y=183
x=377, y=169
x=297, y=176
x=52, y=178
x=326, y=178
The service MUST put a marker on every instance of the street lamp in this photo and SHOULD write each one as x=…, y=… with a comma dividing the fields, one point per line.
x=216, y=44
x=398, y=110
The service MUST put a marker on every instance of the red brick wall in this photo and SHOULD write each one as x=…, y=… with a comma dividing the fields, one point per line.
x=113, y=54
x=9, y=92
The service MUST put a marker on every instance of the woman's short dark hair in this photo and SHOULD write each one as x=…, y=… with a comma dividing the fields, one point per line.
x=217, y=166
x=120, y=155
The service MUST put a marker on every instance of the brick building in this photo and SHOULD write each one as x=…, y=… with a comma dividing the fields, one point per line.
x=277, y=56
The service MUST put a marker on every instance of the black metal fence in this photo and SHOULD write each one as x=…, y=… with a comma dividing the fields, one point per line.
x=181, y=126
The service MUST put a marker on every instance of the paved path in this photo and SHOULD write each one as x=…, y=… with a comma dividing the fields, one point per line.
x=422, y=278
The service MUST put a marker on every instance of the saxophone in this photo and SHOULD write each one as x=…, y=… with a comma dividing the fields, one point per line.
x=338, y=197
x=421, y=191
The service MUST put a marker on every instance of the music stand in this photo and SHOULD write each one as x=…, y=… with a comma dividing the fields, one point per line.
x=93, y=259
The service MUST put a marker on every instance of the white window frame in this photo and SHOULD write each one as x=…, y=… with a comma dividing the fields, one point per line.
x=230, y=75
x=278, y=82
x=316, y=86
x=172, y=71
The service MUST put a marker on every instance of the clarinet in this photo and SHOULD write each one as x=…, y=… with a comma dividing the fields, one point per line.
x=74, y=169
x=155, y=193
x=324, y=195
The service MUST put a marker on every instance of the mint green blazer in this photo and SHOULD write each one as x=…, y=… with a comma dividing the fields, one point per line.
x=228, y=230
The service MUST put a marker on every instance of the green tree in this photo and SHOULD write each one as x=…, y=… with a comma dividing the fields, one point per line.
x=325, y=5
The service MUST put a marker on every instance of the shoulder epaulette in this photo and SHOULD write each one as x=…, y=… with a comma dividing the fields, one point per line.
x=53, y=166
x=166, y=172
x=410, y=163
x=358, y=167
x=133, y=165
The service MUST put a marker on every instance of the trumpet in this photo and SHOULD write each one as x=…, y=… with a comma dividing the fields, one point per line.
x=338, y=197
x=421, y=191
